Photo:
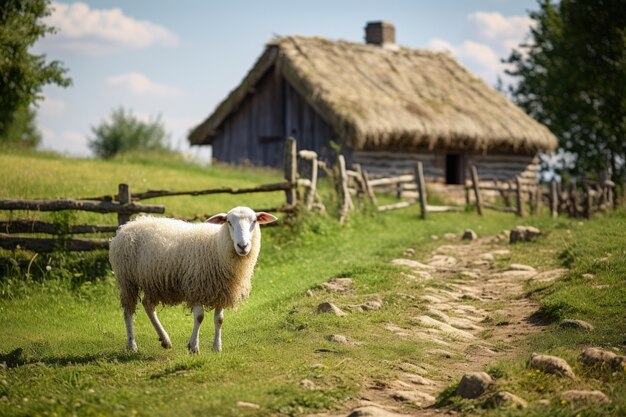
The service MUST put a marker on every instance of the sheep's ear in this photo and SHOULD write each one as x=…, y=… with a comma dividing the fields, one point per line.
x=263, y=217
x=217, y=219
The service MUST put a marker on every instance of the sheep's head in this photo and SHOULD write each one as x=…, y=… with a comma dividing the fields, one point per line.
x=241, y=223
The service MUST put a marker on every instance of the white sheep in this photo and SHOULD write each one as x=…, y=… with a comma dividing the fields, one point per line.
x=202, y=264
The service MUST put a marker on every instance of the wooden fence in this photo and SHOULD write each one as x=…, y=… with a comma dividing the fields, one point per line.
x=594, y=196
x=125, y=204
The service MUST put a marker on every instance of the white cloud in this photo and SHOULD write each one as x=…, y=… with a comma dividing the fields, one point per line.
x=492, y=37
x=96, y=31
x=51, y=106
x=138, y=83
x=70, y=142
x=496, y=27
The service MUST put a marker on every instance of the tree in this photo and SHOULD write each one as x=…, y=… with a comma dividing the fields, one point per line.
x=572, y=78
x=22, y=74
x=22, y=131
x=125, y=132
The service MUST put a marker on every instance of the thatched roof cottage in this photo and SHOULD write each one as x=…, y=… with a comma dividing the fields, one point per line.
x=385, y=105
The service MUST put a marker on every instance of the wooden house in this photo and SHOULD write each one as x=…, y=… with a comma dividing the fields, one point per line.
x=386, y=106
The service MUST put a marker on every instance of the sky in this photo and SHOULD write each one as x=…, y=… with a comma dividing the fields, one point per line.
x=178, y=60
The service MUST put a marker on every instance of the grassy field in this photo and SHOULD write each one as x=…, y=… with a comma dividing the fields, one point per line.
x=62, y=335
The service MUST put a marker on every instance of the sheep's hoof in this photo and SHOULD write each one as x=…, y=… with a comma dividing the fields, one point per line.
x=166, y=344
x=195, y=349
x=217, y=348
x=132, y=347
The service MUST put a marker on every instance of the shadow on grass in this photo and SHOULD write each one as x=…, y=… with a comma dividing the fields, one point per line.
x=16, y=358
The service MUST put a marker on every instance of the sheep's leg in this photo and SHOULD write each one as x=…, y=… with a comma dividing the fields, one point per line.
x=194, y=341
x=130, y=334
x=218, y=318
x=151, y=312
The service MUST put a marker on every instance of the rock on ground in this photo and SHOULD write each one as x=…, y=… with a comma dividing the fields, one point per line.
x=602, y=358
x=576, y=396
x=245, y=404
x=338, y=284
x=327, y=307
x=576, y=324
x=523, y=234
x=372, y=411
x=551, y=365
x=506, y=399
x=338, y=338
x=474, y=384
x=469, y=234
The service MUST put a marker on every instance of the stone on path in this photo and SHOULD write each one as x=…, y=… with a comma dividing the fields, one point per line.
x=373, y=411
x=550, y=275
x=501, y=252
x=409, y=252
x=327, y=307
x=412, y=264
x=523, y=234
x=474, y=384
x=506, y=399
x=338, y=284
x=521, y=267
x=580, y=396
x=442, y=261
x=486, y=256
x=551, y=365
x=417, y=398
x=428, y=321
x=418, y=379
x=596, y=357
x=516, y=274
x=469, y=234
x=450, y=236
x=576, y=324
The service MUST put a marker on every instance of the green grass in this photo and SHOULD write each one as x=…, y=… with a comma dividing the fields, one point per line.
x=62, y=333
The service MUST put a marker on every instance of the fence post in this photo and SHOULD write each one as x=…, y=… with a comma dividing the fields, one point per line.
x=479, y=201
x=123, y=197
x=421, y=188
x=370, y=192
x=313, y=188
x=588, y=211
x=554, y=199
x=291, y=170
x=519, y=198
x=344, y=197
x=573, y=200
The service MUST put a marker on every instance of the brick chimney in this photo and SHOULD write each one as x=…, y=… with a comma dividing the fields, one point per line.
x=380, y=33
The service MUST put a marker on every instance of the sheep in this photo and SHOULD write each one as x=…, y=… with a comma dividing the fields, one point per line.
x=202, y=264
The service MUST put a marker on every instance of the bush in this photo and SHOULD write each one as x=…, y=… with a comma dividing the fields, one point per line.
x=125, y=132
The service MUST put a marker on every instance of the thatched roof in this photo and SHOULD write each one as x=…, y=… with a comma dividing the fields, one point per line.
x=390, y=98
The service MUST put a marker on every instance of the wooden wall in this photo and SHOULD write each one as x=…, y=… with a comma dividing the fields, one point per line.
x=498, y=167
x=255, y=133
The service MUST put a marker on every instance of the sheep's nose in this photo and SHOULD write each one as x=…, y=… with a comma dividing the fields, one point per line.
x=242, y=246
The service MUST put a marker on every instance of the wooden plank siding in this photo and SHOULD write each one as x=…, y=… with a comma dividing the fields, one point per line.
x=490, y=166
x=255, y=133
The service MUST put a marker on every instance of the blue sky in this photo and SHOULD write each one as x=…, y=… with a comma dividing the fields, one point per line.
x=180, y=59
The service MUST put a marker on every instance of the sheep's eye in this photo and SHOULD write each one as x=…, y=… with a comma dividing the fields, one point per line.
x=228, y=221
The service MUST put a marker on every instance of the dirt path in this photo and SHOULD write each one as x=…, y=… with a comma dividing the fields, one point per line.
x=475, y=315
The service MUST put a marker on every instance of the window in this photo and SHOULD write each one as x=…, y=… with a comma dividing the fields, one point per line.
x=455, y=172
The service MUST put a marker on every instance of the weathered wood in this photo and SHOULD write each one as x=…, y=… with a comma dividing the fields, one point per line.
x=307, y=155
x=392, y=180
x=573, y=200
x=476, y=186
x=401, y=204
x=519, y=198
x=312, y=190
x=279, y=186
x=344, y=198
x=123, y=197
x=304, y=182
x=50, y=245
x=421, y=187
x=33, y=226
x=82, y=205
x=291, y=169
x=368, y=187
x=554, y=199
x=443, y=209
x=588, y=209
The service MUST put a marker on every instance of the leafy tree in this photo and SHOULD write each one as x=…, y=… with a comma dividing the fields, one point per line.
x=22, y=74
x=22, y=131
x=125, y=132
x=572, y=78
